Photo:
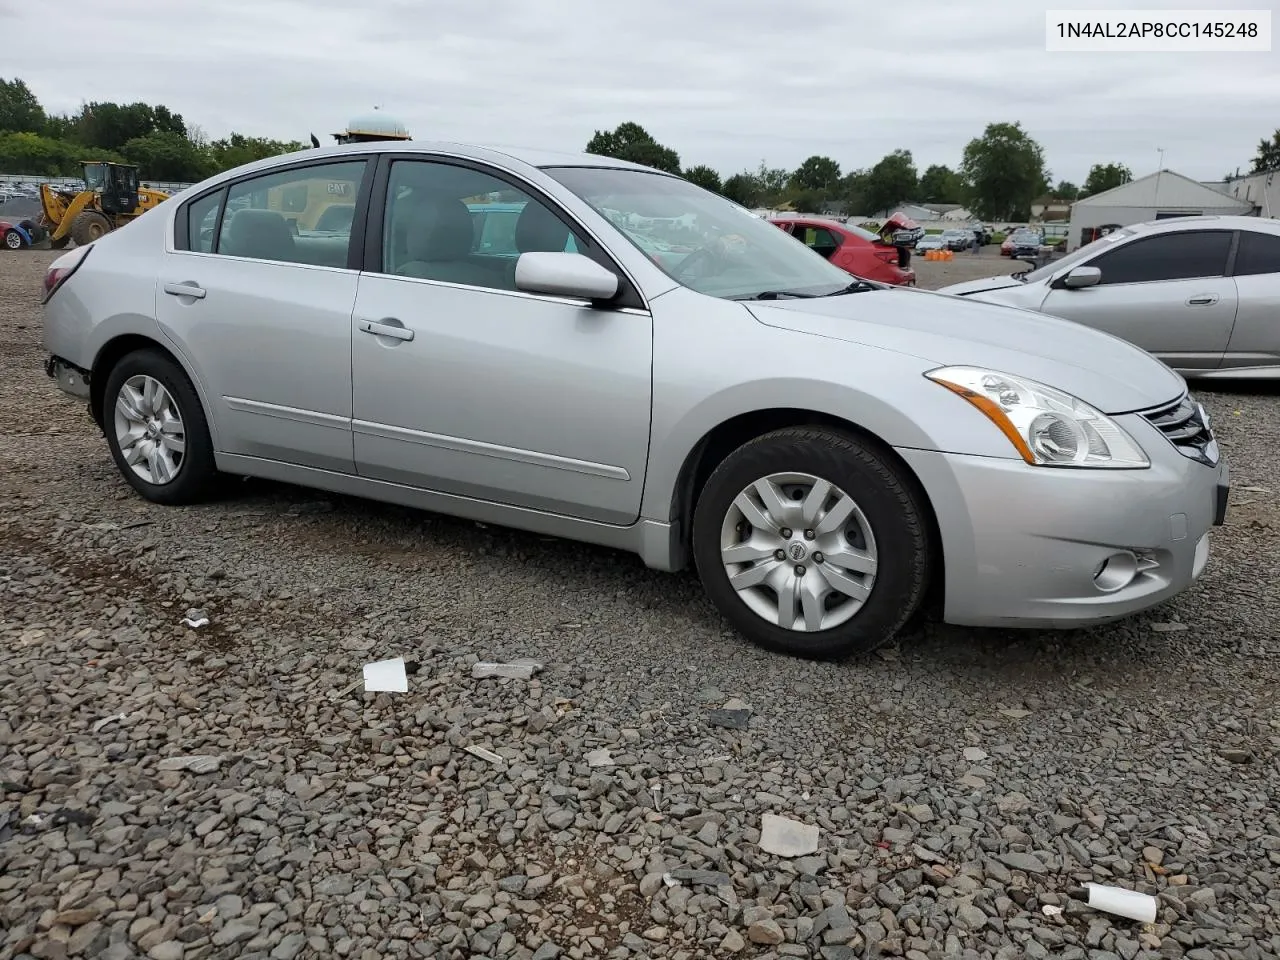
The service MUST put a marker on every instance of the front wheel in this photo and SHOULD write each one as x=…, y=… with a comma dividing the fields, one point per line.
x=157, y=431
x=13, y=240
x=813, y=543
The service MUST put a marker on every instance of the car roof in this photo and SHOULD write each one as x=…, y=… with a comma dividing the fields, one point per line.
x=501, y=155
x=1232, y=222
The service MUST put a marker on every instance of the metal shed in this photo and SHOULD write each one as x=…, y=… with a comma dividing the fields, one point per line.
x=1153, y=197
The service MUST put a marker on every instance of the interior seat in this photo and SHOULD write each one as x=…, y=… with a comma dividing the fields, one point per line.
x=263, y=234
x=439, y=241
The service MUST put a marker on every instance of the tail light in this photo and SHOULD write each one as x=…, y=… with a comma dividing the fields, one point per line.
x=60, y=270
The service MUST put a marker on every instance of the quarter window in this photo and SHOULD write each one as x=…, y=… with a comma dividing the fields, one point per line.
x=1258, y=253
x=459, y=225
x=1170, y=256
x=301, y=215
x=202, y=220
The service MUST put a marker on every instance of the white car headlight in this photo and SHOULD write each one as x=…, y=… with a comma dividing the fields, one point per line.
x=1047, y=427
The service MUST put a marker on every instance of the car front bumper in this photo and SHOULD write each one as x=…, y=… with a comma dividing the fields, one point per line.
x=1048, y=547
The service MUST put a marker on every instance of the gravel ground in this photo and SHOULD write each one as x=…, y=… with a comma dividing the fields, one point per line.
x=960, y=783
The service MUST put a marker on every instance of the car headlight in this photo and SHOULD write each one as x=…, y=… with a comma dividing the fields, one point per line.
x=1047, y=427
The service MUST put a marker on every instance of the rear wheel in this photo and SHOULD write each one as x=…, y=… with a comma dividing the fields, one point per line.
x=157, y=431
x=88, y=226
x=812, y=542
x=12, y=240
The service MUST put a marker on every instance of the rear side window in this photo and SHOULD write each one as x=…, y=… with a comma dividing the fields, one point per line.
x=302, y=215
x=202, y=220
x=1171, y=256
x=1258, y=253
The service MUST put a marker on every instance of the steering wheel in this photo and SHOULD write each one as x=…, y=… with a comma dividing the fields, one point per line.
x=716, y=254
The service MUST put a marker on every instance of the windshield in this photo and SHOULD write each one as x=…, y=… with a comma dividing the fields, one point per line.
x=700, y=239
x=1086, y=252
x=94, y=175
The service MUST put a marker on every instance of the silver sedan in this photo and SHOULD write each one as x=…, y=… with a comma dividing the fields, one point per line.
x=587, y=348
x=1201, y=293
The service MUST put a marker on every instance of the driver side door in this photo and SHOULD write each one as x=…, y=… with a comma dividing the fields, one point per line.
x=1168, y=294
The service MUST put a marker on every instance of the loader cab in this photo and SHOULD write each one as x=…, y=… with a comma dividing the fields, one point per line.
x=115, y=183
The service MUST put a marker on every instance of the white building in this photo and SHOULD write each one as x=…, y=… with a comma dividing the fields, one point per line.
x=1262, y=190
x=1156, y=196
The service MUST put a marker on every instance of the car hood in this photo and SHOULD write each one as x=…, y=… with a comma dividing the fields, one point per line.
x=980, y=286
x=1104, y=371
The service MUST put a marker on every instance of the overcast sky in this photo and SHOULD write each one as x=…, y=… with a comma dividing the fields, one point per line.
x=723, y=82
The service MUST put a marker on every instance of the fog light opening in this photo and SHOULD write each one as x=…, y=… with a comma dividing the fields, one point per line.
x=1116, y=572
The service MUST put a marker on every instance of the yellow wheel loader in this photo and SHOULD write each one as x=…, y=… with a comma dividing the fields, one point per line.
x=111, y=199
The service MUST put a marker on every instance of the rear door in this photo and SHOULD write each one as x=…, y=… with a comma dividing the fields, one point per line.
x=1168, y=293
x=1255, y=341
x=261, y=309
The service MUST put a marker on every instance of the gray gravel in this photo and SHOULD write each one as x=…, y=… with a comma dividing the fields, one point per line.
x=182, y=794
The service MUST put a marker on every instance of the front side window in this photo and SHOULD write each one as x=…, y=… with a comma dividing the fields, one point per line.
x=1169, y=256
x=700, y=239
x=1258, y=253
x=1074, y=258
x=282, y=216
x=456, y=224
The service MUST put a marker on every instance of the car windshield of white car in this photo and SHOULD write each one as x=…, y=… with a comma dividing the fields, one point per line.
x=702, y=240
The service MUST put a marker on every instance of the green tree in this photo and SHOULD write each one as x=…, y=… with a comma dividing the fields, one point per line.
x=772, y=182
x=941, y=184
x=1066, y=191
x=890, y=181
x=167, y=156
x=1005, y=171
x=110, y=126
x=20, y=111
x=1268, y=157
x=633, y=143
x=1105, y=177
x=237, y=149
x=852, y=192
x=704, y=177
x=34, y=155
x=817, y=174
x=742, y=188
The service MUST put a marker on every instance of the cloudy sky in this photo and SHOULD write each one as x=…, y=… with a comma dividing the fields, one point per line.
x=723, y=82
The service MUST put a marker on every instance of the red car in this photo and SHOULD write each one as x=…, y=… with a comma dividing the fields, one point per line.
x=852, y=249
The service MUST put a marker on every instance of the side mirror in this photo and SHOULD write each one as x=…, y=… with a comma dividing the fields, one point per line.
x=1082, y=277
x=565, y=275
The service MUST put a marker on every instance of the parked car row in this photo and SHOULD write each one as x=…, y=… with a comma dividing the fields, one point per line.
x=832, y=454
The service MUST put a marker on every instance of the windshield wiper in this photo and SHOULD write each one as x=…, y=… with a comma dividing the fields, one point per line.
x=777, y=295
x=858, y=286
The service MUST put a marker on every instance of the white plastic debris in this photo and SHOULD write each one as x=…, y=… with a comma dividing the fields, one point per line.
x=1121, y=902
x=516, y=670
x=200, y=763
x=195, y=619
x=1051, y=910
x=386, y=676
x=483, y=753
x=784, y=837
x=669, y=880
x=599, y=758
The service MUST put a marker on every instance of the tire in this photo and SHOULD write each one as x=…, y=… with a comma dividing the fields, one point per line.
x=12, y=240
x=884, y=499
x=195, y=474
x=88, y=226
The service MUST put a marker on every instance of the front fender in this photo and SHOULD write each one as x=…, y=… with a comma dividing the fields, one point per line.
x=728, y=365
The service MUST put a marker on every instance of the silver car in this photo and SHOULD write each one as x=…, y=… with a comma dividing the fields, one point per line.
x=1201, y=293
x=831, y=455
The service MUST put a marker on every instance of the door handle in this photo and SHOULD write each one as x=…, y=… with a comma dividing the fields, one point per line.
x=188, y=289
x=387, y=328
x=1203, y=299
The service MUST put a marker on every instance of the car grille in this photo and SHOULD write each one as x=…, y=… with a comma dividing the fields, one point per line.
x=1186, y=425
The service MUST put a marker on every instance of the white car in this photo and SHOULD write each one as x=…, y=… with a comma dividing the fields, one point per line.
x=1201, y=293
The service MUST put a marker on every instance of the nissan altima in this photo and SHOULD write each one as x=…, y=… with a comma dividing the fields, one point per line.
x=831, y=455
